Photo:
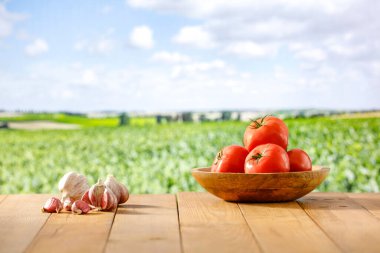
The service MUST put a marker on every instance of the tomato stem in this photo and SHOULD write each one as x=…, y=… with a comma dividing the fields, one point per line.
x=257, y=156
x=257, y=123
x=218, y=156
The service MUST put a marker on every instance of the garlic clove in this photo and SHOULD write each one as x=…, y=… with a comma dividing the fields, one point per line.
x=113, y=185
x=95, y=193
x=86, y=198
x=109, y=200
x=72, y=185
x=52, y=205
x=124, y=194
x=80, y=207
x=67, y=204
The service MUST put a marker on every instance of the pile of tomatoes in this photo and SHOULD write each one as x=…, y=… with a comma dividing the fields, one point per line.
x=265, y=151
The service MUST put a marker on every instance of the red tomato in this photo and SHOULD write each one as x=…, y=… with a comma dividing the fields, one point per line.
x=299, y=160
x=264, y=130
x=267, y=158
x=230, y=159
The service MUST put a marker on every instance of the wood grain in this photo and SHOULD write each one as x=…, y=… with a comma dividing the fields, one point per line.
x=285, y=226
x=2, y=197
x=260, y=187
x=370, y=201
x=347, y=223
x=209, y=224
x=20, y=220
x=147, y=223
x=67, y=232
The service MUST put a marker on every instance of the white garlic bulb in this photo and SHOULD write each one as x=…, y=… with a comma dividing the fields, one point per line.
x=72, y=186
x=120, y=190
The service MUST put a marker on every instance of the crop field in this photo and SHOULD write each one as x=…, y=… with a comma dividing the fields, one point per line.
x=158, y=158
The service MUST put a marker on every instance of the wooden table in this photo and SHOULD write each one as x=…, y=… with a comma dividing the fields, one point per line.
x=196, y=222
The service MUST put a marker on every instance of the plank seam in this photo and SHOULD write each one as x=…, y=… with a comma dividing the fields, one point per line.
x=319, y=226
x=179, y=223
x=1, y=201
x=27, y=249
x=109, y=232
x=357, y=202
x=249, y=227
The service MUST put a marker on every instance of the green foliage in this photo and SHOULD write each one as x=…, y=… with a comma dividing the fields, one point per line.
x=81, y=120
x=158, y=158
x=64, y=118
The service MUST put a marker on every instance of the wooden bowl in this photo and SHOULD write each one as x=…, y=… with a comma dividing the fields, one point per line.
x=260, y=187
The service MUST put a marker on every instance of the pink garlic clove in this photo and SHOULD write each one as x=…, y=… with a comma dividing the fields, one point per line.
x=80, y=207
x=109, y=200
x=86, y=198
x=95, y=193
x=52, y=205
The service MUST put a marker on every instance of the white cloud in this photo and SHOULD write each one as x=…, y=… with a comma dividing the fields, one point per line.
x=194, y=68
x=250, y=49
x=312, y=54
x=141, y=37
x=309, y=51
x=204, y=85
x=342, y=29
x=195, y=36
x=7, y=21
x=38, y=46
x=101, y=46
x=89, y=77
x=170, y=57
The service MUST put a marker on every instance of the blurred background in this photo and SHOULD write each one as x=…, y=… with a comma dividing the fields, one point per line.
x=147, y=90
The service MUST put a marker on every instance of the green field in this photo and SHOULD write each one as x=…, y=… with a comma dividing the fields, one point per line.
x=158, y=158
x=82, y=121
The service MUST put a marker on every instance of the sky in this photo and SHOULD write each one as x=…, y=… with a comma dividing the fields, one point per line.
x=167, y=55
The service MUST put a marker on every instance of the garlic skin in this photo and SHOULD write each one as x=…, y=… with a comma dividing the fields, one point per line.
x=52, y=205
x=120, y=190
x=72, y=186
x=67, y=204
x=80, y=207
x=100, y=197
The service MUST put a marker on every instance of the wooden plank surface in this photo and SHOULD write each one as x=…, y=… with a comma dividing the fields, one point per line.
x=285, y=227
x=328, y=222
x=2, y=197
x=67, y=232
x=20, y=220
x=146, y=223
x=347, y=223
x=370, y=201
x=209, y=224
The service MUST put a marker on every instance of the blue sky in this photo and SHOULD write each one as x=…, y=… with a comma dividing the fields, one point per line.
x=189, y=55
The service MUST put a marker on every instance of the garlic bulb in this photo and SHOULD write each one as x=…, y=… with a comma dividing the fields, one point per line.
x=100, y=196
x=72, y=186
x=120, y=190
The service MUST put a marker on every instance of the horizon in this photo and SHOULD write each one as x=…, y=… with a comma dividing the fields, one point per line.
x=193, y=111
x=138, y=55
